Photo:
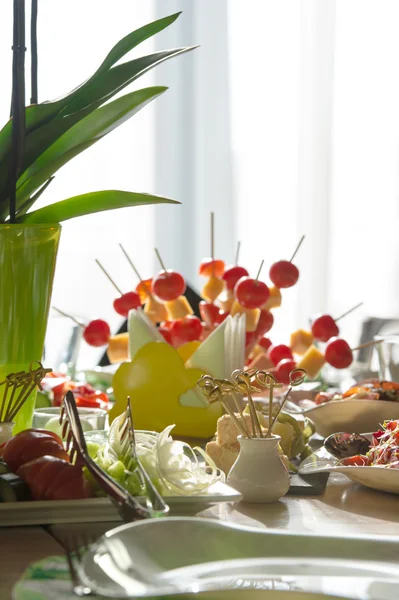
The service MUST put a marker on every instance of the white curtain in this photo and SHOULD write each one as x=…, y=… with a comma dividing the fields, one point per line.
x=284, y=122
x=315, y=129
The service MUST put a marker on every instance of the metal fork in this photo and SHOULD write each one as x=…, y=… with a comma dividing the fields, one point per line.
x=73, y=551
x=132, y=462
x=129, y=507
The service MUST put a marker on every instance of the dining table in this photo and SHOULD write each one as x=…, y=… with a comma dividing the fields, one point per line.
x=344, y=508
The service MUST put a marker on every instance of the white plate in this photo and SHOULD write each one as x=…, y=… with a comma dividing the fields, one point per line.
x=354, y=416
x=98, y=509
x=169, y=556
x=377, y=478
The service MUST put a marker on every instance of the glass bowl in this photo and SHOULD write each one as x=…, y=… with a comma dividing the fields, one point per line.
x=388, y=356
x=48, y=418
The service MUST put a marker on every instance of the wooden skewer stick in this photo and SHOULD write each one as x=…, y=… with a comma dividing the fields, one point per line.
x=160, y=259
x=135, y=270
x=349, y=311
x=109, y=277
x=260, y=269
x=254, y=416
x=238, y=252
x=68, y=316
x=239, y=410
x=231, y=413
x=270, y=412
x=367, y=344
x=131, y=263
x=297, y=248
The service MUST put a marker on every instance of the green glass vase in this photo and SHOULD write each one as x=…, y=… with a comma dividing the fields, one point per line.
x=27, y=263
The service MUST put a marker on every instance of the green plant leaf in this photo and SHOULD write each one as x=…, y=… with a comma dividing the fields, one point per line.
x=38, y=114
x=92, y=128
x=94, y=202
x=112, y=82
x=30, y=202
x=44, y=175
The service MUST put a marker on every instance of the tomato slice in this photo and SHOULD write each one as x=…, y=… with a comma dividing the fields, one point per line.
x=51, y=478
x=85, y=396
x=356, y=461
x=30, y=444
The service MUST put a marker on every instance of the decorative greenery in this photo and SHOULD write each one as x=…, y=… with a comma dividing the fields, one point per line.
x=55, y=132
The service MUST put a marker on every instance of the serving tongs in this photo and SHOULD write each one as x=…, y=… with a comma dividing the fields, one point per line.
x=129, y=507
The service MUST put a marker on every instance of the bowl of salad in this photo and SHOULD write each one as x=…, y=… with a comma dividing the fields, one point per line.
x=378, y=468
x=362, y=407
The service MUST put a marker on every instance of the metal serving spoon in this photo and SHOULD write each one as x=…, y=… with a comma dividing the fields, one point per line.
x=343, y=445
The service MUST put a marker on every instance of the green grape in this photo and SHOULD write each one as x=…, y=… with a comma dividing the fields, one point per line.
x=92, y=448
x=117, y=471
x=133, y=485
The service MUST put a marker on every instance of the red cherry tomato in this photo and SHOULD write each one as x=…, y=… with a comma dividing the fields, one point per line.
x=232, y=274
x=265, y=343
x=50, y=478
x=168, y=285
x=265, y=322
x=283, y=370
x=210, y=267
x=185, y=330
x=284, y=274
x=143, y=289
x=338, y=353
x=30, y=444
x=97, y=333
x=324, y=328
x=127, y=302
x=211, y=314
x=278, y=353
x=356, y=461
x=251, y=293
x=250, y=339
x=166, y=334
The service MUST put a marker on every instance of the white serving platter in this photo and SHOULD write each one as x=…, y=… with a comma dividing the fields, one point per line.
x=353, y=416
x=377, y=478
x=164, y=557
x=98, y=509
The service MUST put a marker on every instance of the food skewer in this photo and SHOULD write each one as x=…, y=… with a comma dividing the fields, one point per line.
x=126, y=302
x=324, y=327
x=109, y=276
x=284, y=274
x=96, y=333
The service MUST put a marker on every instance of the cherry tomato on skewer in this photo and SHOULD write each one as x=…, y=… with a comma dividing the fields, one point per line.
x=265, y=343
x=265, y=322
x=324, y=328
x=284, y=274
x=232, y=274
x=338, y=353
x=97, y=333
x=168, y=285
x=283, y=370
x=185, y=330
x=127, y=302
x=278, y=353
x=251, y=293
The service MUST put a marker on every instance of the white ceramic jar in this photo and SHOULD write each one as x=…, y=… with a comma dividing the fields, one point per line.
x=259, y=473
